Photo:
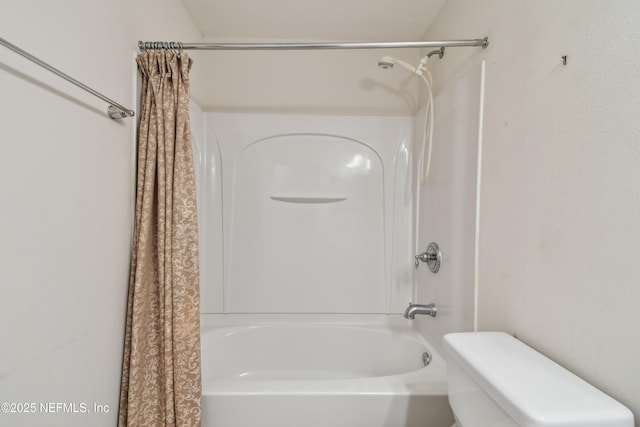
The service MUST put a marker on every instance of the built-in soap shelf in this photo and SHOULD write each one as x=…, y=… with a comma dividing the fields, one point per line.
x=308, y=199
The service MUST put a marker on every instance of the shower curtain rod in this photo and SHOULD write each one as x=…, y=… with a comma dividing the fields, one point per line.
x=312, y=46
x=114, y=110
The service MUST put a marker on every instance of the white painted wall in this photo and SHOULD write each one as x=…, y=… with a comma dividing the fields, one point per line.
x=559, y=233
x=66, y=202
x=346, y=82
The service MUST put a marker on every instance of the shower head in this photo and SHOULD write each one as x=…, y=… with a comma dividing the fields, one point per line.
x=387, y=62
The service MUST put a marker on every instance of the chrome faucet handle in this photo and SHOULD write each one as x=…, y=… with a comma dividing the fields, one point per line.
x=432, y=257
x=426, y=257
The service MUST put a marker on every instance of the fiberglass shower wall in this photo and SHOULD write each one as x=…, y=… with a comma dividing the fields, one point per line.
x=304, y=214
x=449, y=205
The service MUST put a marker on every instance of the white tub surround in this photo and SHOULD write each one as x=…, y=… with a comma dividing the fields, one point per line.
x=307, y=258
x=305, y=214
x=449, y=206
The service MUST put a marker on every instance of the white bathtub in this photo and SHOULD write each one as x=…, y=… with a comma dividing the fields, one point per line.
x=320, y=374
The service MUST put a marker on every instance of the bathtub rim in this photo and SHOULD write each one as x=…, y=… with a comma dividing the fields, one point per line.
x=430, y=380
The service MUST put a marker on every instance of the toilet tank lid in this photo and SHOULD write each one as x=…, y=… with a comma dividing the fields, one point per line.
x=528, y=386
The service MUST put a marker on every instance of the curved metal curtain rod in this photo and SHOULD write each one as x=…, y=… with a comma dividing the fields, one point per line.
x=142, y=45
x=114, y=110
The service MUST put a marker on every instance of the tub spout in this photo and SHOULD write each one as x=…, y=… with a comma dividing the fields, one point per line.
x=413, y=309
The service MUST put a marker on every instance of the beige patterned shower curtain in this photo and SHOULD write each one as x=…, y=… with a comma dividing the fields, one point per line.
x=161, y=366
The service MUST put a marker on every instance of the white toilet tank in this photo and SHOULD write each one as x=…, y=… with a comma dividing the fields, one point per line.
x=497, y=381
